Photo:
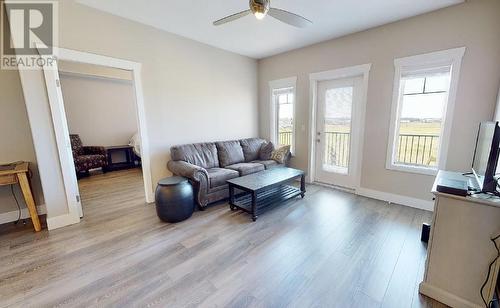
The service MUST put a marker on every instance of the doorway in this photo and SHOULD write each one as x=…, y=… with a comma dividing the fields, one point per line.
x=102, y=121
x=62, y=132
x=338, y=108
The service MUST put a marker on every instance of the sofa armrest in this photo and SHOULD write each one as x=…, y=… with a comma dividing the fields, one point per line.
x=190, y=171
x=93, y=150
x=197, y=175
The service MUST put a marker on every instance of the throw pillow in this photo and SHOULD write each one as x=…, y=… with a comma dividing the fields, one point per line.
x=281, y=154
x=251, y=148
x=266, y=149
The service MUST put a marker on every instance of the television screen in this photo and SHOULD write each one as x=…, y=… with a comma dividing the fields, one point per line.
x=486, y=155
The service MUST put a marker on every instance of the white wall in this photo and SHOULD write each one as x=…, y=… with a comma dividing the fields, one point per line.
x=192, y=92
x=101, y=110
x=15, y=142
x=474, y=24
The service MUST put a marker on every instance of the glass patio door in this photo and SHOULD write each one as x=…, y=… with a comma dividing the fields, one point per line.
x=337, y=129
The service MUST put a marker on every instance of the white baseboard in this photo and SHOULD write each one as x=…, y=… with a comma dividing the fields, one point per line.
x=349, y=190
x=445, y=297
x=62, y=221
x=13, y=215
x=394, y=198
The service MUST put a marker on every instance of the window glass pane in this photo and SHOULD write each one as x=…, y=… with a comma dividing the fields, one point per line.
x=423, y=106
x=285, y=118
x=437, y=83
x=338, y=109
x=337, y=129
x=413, y=85
x=420, y=121
x=282, y=98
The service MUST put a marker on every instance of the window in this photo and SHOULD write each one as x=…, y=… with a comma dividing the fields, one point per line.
x=283, y=112
x=424, y=92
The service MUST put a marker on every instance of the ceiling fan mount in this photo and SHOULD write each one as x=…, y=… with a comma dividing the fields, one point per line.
x=262, y=8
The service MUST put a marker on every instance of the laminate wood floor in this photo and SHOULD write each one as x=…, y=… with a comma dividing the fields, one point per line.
x=331, y=249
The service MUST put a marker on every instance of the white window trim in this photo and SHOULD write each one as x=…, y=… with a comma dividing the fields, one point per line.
x=290, y=82
x=452, y=57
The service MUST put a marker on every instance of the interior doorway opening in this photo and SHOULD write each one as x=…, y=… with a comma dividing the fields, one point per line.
x=102, y=120
x=62, y=131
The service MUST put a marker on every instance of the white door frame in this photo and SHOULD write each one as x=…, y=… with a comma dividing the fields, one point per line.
x=346, y=72
x=60, y=122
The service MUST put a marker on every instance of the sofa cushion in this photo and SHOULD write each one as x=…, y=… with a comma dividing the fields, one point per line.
x=87, y=162
x=251, y=148
x=230, y=153
x=219, y=176
x=266, y=151
x=268, y=164
x=200, y=154
x=247, y=168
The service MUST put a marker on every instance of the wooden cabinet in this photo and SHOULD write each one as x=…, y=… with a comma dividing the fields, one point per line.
x=460, y=249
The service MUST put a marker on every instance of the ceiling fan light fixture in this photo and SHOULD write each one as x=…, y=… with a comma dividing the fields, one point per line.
x=260, y=8
x=259, y=15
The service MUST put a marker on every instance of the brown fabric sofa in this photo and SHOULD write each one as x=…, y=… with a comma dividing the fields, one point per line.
x=209, y=165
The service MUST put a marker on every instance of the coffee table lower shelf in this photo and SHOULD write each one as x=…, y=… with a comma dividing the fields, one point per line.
x=265, y=199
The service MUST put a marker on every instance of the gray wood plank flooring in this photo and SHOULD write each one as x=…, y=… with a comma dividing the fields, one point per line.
x=331, y=249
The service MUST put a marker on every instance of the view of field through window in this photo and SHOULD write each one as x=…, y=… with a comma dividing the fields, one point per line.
x=422, y=106
x=285, y=99
x=337, y=129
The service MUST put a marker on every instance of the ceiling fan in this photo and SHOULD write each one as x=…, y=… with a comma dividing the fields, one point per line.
x=261, y=8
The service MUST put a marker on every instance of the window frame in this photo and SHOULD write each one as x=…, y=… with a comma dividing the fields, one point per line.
x=290, y=82
x=429, y=61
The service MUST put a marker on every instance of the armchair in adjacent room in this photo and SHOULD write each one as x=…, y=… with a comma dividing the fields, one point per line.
x=87, y=157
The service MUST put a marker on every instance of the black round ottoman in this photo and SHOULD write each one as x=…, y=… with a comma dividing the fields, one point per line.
x=174, y=199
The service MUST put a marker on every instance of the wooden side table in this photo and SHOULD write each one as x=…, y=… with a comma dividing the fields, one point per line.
x=18, y=173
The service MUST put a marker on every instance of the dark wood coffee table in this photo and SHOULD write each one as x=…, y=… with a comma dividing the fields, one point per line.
x=264, y=189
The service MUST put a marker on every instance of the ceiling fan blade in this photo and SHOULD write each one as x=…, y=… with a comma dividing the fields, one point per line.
x=289, y=18
x=231, y=17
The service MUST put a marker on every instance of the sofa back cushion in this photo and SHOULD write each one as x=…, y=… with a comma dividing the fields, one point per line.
x=251, y=148
x=199, y=154
x=230, y=152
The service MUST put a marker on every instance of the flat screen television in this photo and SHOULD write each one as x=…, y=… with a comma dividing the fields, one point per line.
x=485, y=160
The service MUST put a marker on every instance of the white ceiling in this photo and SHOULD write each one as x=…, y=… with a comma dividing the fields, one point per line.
x=262, y=38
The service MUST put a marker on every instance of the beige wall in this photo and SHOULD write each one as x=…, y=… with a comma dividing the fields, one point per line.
x=102, y=111
x=192, y=92
x=15, y=139
x=474, y=24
